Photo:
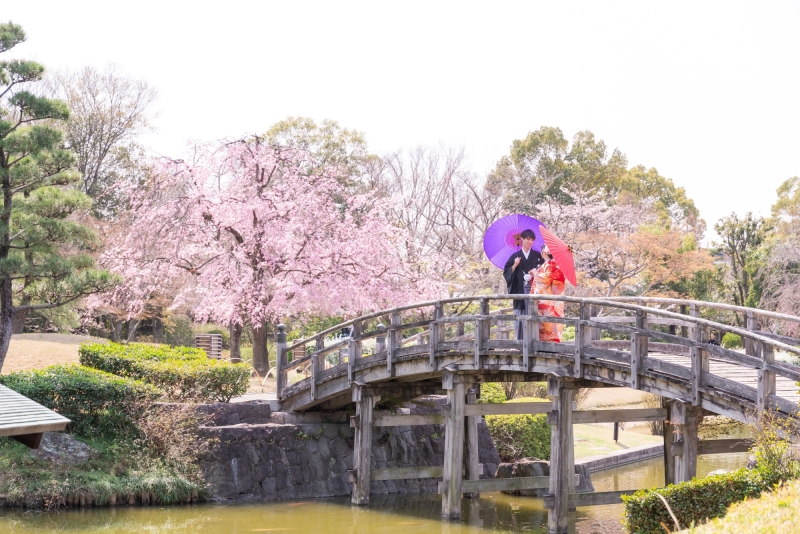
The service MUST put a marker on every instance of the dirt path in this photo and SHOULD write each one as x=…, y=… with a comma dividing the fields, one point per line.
x=36, y=351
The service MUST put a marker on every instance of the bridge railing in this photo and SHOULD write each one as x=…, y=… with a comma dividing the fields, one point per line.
x=476, y=330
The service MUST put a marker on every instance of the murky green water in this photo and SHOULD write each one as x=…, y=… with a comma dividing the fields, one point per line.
x=493, y=512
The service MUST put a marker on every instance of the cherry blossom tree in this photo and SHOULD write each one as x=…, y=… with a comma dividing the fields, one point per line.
x=250, y=237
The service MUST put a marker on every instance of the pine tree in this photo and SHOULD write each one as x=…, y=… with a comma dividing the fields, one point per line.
x=44, y=260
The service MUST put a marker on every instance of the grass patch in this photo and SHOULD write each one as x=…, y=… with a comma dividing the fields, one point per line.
x=118, y=472
x=773, y=513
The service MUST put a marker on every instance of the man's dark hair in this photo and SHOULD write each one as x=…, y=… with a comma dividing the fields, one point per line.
x=527, y=233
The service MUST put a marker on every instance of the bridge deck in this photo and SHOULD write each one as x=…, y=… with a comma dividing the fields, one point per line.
x=26, y=420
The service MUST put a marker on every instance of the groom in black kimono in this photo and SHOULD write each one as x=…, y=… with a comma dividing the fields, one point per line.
x=518, y=273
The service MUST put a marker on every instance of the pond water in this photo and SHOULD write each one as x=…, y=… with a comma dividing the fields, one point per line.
x=492, y=513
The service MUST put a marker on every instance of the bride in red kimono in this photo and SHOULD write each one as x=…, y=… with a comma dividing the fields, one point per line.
x=549, y=280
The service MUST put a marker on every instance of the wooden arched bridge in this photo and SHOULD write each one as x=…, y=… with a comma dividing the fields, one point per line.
x=451, y=346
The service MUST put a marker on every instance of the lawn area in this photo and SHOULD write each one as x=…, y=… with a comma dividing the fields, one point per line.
x=37, y=351
x=773, y=513
x=595, y=440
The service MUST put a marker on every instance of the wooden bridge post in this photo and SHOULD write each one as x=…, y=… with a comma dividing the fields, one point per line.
x=639, y=342
x=453, y=444
x=583, y=339
x=473, y=458
x=594, y=333
x=766, y=380
x=280, y=362
x=562, y=461
x=684, y=330
x=362, y=446
x=481, y=331
x=436, y=333
x=701, y=365
x=380, y=340
x=354, y=350
x=395, y=341
x=684, y=450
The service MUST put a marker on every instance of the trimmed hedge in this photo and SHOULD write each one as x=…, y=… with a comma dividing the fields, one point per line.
x=492, y=393
x=182, y=373
x=97, y=402
x=520, y=436
x=695, y=501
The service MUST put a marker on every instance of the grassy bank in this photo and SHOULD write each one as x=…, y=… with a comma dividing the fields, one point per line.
x=118, y=472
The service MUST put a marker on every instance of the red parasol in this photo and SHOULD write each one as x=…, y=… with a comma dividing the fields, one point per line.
x=562, y=253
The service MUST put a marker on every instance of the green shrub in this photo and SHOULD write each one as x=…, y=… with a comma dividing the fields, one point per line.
x=520, y=436
x=568, y=334
x=732, y=341
x=97, y=402
x=492, y=393
x=182, y=373
x=694, y=501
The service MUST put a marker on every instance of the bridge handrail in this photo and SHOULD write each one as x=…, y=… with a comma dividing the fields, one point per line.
x=616, y=302
x=714, y=305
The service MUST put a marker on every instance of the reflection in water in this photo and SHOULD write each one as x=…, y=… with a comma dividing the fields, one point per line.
x=493, y=512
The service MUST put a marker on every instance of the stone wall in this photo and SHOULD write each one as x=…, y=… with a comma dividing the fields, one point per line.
x=263, y=455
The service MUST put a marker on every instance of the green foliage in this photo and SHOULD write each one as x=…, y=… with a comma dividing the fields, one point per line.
x=181, y=373
x=732, y=341
x=568, y=334
x=97, y=402
x=45, y=250
x=694, y=501
x=178, y=331
x=520, y=436
x=492, y=393
x=740, y=239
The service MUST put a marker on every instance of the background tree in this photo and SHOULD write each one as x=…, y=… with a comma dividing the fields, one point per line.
x=42, y=260
x=739, y=240
x=108, y=111
x=262, y=239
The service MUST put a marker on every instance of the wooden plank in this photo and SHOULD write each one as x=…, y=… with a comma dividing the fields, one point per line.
x=666, y=367
x=405, y=473
x=507, y=484
x=436, y=335
x=619, y=416
x=384, y=420
x=724, y=446
x=33, y=428
x=508, y=408
x=598, y=498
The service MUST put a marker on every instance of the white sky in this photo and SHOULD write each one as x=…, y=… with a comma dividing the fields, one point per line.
x=706, y=92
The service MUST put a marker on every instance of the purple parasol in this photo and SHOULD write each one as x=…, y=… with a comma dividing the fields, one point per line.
x=502, y=237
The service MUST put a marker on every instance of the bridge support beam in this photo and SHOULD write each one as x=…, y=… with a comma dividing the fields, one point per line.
x=684, y=419
x=562, y=459
x=362, y=447
x=473, y=459
x=453, y=444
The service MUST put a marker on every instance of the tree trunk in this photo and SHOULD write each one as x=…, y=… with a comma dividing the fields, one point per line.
x=260, y=354
x=236, y=342
x=116, y=330
x=133, y=324
x=19, y=321
x=158, y=330
x=6, y=317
